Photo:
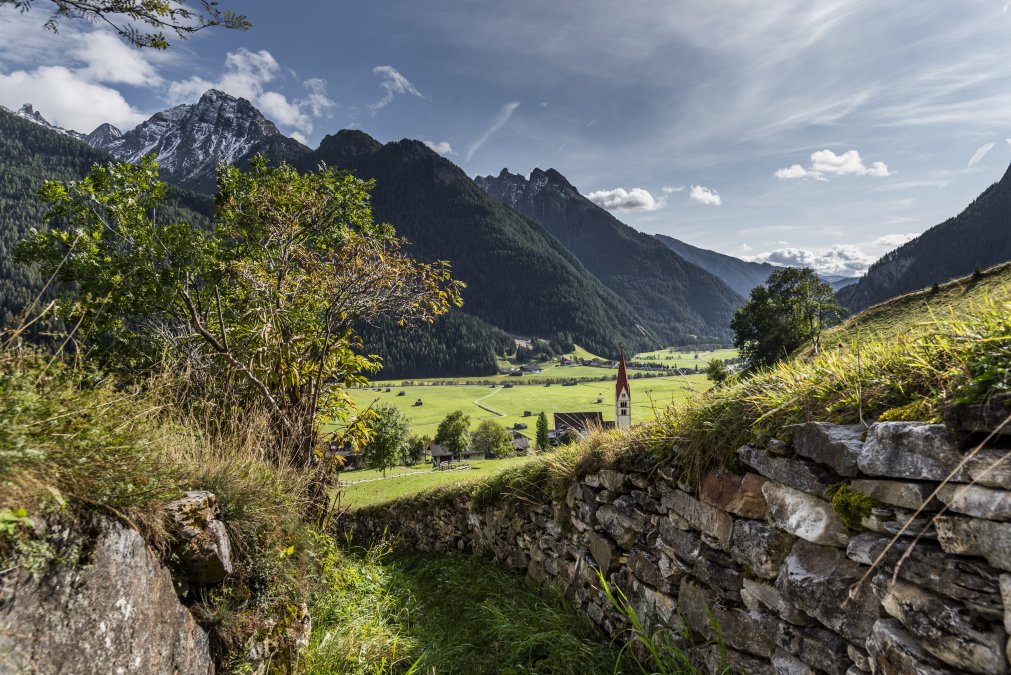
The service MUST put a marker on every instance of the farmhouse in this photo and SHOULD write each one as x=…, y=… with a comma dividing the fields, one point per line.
x=440, y=454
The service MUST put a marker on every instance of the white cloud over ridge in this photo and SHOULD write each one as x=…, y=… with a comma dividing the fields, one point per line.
x=980, y=153
x=825, y=163
x=620, y=199
x=248, y=74
x=841, y=259
x=395, y=84
x=704, y=195
x=443, y=148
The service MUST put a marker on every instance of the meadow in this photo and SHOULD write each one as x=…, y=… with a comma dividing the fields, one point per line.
x=680, y=358
x=508, y=404
x=366, y=487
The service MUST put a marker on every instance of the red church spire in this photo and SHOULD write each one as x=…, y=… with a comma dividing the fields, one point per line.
x=622, y=382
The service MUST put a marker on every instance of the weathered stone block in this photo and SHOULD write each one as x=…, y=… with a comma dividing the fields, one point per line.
x=991, y=467
x=803, y=515
x=976, y=501
x=787, y=664
x=969, y=581
x=911, y=450
x=979, y=418
x=602, y=552
x=945, y=630
x=623, y=524
x=760, y=547
x=678, y=543
x=797, y=473
x=1005, y=594
x=758, y=595
x=739, y=629
x=701, y=516
x=201, y=541
x=892, y=520
x=646, y=568
x=985, y=538
x=834, y=445
x=817, y=580
x=740, y=495
x=905, y=494
x=893, y=651
x=718, y=572
x=612, y=480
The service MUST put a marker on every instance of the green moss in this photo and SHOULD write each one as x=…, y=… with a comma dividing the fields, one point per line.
x=917, y=411
x=851, y=506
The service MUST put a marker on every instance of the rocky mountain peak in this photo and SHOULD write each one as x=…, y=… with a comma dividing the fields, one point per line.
x=30, y=113
x=191, y=139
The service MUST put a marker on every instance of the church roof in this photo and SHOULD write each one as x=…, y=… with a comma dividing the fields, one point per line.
x=622, y=381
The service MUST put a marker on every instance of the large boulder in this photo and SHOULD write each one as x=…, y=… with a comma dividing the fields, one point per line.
x=119, y=613
x=201, y=541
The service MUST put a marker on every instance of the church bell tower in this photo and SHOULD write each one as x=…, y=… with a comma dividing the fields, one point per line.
x=622, y=397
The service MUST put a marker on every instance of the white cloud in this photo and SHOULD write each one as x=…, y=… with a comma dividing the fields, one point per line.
x=500, y=121
x=894, y=240
x=704, y=195
x=66, y=100
x=980, y=153
x=248, y=74
x=826, y=162
x=111, y=60
x=841, y=259
x=1008, y=140
x=667, y=189
x=745, y=248
x=619, y=199
x=299, y=137
x=444, y=148
x=394, y=83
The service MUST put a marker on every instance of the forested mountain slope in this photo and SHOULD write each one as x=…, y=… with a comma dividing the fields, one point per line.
x=979, y=237
x=675, y=300
x=519, y=278
x=31, y=154
x=740, y=275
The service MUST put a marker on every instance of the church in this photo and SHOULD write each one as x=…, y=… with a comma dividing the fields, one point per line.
x=583, y=422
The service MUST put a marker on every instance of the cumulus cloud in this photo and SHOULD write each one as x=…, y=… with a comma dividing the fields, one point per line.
x=980, y=153
x=248, y=74
x=394, y=84
x=69, y=82
x=825, y=163
x=66, y=100
x=841, y=259
x=444, y=148
x=500, y=121
x=620, y=199
x=894, y=240
x=704, y=195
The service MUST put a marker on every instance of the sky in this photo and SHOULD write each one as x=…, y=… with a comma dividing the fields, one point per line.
x=817, y=132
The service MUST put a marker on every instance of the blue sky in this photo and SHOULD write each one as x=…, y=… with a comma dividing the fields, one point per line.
x=806, y=131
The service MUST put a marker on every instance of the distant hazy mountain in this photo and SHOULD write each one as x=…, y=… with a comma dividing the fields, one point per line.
x=191, y=139
x=980, y=237
x=740, y=275
x=674, y=300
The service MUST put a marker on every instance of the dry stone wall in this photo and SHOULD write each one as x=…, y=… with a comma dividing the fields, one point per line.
x=792, y=588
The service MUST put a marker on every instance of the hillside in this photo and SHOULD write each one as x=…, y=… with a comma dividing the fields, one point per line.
x=31, y=154
x=519, y=278
x=899, y=315
x=675, y=300
x=740, y=275
x=978, y=237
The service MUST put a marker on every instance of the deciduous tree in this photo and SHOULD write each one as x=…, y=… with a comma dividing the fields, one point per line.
x=793, y=309
x=493, y=440
x=453, y=433
x=387, y=438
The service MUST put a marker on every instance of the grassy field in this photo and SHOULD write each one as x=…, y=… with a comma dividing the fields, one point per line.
x=404, y=480
x=507, y=405
x=680, y=358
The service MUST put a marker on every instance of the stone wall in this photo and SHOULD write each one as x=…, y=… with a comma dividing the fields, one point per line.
x=767, y=553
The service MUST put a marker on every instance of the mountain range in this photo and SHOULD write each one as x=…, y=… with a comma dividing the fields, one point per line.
x=538, y=257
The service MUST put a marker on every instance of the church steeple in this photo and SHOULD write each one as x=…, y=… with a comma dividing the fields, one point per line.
x=622, y=397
